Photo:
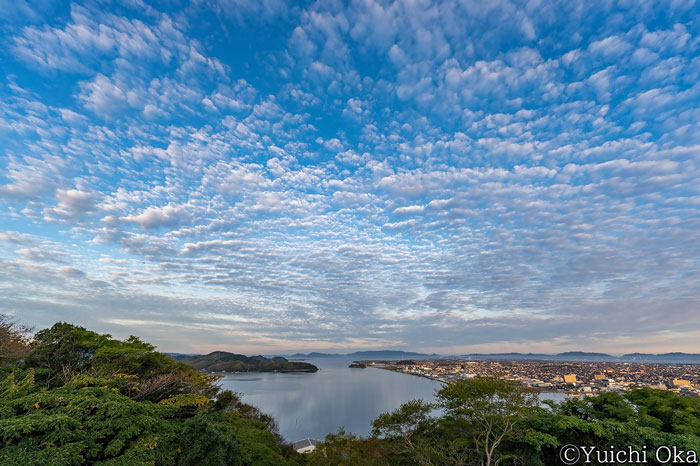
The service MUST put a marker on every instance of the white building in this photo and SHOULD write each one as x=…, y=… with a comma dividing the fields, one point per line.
x=305, y=446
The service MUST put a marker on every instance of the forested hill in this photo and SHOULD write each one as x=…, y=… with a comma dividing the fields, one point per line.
x=222, y=361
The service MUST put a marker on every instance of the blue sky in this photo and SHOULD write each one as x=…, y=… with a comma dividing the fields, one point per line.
x=263, y=176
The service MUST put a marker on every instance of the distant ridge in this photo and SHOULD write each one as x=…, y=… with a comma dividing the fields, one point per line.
x=378, y=354
x=582, y=356
x=574, y=356
x=678, y=358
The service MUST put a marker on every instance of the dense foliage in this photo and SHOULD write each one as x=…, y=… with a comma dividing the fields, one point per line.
x=77, y=397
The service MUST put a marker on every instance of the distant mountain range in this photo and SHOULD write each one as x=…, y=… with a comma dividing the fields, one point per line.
x=582, y=356
x=221, y=361
x=567, y=356
x=677, y=358
x=367, y=355
x=578, y=356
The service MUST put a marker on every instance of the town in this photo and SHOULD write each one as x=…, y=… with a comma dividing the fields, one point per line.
x=572, y=378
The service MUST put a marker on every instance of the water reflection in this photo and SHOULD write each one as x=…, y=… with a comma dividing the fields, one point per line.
x=313, y=405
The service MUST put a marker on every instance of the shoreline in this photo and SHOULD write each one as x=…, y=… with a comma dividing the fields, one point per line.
x=445, y=382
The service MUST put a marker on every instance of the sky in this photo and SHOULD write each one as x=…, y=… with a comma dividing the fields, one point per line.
x=264, y=176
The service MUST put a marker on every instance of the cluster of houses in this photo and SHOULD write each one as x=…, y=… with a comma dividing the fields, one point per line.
x=574, y=378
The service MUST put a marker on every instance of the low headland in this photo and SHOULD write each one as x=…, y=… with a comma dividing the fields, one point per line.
x=222, y=361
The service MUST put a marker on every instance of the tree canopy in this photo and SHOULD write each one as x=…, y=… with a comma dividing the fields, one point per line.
x=77, y=397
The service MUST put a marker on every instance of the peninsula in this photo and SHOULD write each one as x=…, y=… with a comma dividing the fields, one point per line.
x=222, y=361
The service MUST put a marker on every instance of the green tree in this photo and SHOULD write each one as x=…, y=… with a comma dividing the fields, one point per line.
x=489, y=412
x=666, y=411
x=15, y=341
x=405, y=431
x=219, y=438
x=83, y=422
x=614, y=419
x=64, y=350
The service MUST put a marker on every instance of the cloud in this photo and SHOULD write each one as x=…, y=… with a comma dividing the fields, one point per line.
x=408, y=210
x=41, y=255
x=72, y=205
x=88, y=39
x=440, y=175
x=156, y=217
x=103, y=97
x=31, y=177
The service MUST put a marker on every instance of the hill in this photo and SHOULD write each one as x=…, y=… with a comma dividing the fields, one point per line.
x=222, y=361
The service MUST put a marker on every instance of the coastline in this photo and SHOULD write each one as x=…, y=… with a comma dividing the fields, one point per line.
x=445, y=381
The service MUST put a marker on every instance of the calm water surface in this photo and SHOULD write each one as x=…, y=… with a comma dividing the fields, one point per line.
x=313, y=405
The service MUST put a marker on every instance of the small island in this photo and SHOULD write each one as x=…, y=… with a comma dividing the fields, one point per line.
x=357, y=365
x=222, y=361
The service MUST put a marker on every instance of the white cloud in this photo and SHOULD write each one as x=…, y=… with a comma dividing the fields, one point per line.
x=409, y=210
x=103, y=97
x=72, y=205
x=156, y=217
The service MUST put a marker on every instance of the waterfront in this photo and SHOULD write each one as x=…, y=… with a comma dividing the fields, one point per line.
x=574, y=378
x=314, y=405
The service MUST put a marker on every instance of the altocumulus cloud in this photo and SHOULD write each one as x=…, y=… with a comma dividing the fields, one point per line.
x=445, y=176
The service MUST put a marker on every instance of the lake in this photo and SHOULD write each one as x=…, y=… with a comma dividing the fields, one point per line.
x=313, y=405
